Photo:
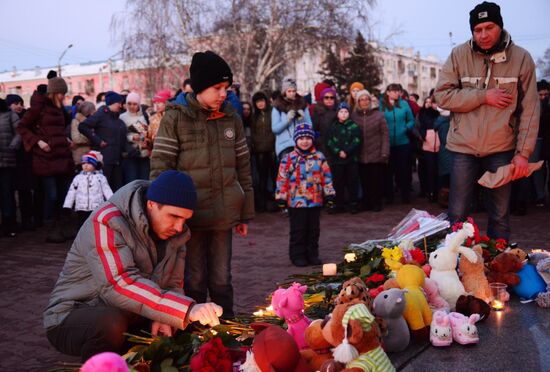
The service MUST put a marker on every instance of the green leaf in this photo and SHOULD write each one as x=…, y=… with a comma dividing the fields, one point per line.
x=365, y=270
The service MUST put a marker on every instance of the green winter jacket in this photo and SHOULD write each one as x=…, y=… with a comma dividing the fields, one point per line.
x=343, y=137
x=215, y=154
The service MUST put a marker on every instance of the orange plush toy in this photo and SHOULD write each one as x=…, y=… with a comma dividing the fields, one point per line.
x=351, y=329
x=503, y=269
x=473, y=276
x=319, y=348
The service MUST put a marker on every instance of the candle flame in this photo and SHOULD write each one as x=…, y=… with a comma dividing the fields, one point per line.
x=258, y=313
x=350, y=257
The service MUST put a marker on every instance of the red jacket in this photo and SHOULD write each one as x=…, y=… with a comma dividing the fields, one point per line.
x=44, y=121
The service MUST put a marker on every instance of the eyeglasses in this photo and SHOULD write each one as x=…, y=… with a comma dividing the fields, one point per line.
x=328, y=97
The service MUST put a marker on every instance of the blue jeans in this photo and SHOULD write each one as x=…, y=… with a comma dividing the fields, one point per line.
x=135, y=169
x=465, y=171
x=55, y=191
x=208, y=268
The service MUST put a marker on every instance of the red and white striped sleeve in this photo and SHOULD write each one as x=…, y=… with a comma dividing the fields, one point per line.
x=113, y=266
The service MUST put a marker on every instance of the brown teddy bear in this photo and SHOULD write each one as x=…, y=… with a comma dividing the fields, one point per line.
x=351, y=330
x=356, y=289
x=468, y=305
x=319, y=348
x=503, y=269
x=473, y=276
x=352, y=289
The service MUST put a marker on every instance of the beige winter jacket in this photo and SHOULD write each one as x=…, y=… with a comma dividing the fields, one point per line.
x=477, y=128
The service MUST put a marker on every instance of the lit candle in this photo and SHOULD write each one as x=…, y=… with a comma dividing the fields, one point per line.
x=497, y=305
x=350, y=257
x=329, y=269
x=269, y=308
x=258, y=313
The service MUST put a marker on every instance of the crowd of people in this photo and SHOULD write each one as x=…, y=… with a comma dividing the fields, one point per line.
x=213, y=158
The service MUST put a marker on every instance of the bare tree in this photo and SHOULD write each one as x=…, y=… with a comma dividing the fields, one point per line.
x=544, y=64
x=259, y=38
x=155, y=36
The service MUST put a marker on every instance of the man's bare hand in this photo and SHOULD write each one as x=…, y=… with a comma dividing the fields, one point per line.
x=161, y=328
x=520, y=166
x=242, y=229
x=498, y=98
x=207, y=313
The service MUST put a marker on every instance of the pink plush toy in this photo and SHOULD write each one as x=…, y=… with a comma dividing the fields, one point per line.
x=289, y=305
x=105, y=362
x=440, y=329
x=435, y=301
x=464, y=328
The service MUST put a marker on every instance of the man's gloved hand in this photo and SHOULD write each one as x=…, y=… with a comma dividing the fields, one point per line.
x=207, y=313
x=291, y=115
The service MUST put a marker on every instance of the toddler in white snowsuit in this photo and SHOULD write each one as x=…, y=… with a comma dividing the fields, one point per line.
x=89, y=188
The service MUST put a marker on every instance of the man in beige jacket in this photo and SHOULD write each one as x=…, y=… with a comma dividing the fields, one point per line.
x=489, y=85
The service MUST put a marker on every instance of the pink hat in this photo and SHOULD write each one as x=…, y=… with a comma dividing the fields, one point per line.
x=162, y=96
x=133, y=97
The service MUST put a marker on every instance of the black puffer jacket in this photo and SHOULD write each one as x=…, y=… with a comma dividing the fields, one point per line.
x=105, y=125
x=9, y=139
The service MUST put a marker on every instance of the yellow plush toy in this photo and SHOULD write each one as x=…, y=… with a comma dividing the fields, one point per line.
x=417, y=311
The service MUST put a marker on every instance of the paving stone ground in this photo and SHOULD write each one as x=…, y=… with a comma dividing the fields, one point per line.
x=29, y=268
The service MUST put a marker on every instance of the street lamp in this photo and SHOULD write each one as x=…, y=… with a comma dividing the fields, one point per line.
x=60, y=57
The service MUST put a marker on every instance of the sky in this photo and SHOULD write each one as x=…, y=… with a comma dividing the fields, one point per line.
x=36, y=32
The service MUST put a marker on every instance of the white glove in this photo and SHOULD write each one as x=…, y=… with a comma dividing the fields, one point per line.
x=207, y=313
x=290, y=115
x=301, y=114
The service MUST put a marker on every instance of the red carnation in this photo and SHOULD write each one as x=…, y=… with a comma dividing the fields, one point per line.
x=375, y=278
x=373, y=292
x=418, y=256
x=500, y=244
x=212, y=357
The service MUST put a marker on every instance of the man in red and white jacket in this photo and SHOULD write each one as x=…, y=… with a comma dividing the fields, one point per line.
x=126, y=268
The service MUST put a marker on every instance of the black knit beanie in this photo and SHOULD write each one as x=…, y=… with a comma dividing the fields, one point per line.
x=485, y=12
x=173, y=188
x=207, y=69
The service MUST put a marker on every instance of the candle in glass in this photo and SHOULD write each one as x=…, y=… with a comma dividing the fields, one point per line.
x=498, y=291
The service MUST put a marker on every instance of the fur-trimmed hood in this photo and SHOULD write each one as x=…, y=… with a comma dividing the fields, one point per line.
x=283, y=105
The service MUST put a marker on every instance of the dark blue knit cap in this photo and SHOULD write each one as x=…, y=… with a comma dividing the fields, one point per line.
x=303, y=130
x=173, y=188
x=113, y=97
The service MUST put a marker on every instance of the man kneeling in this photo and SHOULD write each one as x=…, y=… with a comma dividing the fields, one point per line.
x=126, y=268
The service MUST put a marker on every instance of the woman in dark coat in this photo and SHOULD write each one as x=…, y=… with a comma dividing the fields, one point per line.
x=426, y=119
x=9, y=142
x=42, y=130
x=324, y=114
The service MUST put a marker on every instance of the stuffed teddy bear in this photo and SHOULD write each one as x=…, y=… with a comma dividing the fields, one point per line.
x=503, y=269
x=468, y=305
x=473, y=276
x=519, y=253
x=352, y=289
x=289, y=305
x=351, y=329
x=273, y=349
x=443, y=262
x=435, y=301
x=390, y=305
x=355, y=288
x=319, y=348
x=417, y=311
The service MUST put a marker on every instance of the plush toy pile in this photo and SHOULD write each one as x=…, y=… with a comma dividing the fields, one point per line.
x=382, y=298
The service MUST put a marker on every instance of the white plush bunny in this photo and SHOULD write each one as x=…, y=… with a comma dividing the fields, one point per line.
x=444, y=261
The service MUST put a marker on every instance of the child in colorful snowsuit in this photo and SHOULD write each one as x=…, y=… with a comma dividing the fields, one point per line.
x=304, y=178
x=343, y=143
x=89, y=188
